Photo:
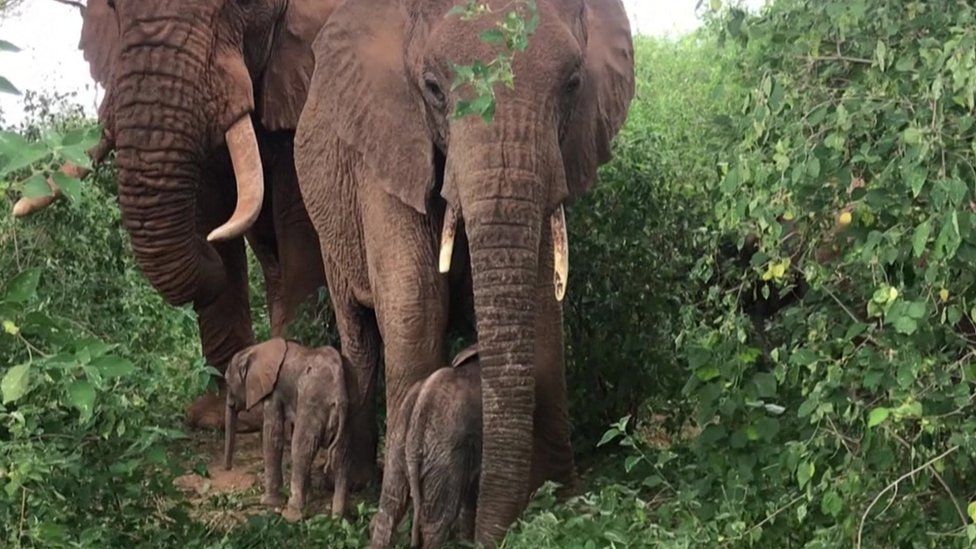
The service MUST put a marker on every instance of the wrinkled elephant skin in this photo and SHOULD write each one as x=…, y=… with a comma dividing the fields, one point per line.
x=381, y=158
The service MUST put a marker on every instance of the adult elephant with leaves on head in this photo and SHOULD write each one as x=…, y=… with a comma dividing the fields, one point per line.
x=385, y=169
x=201, y=103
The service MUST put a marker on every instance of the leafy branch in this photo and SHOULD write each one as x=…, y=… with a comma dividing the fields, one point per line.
x=511, y=33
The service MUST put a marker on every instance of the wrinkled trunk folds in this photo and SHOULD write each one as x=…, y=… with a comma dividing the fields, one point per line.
x=160, y=133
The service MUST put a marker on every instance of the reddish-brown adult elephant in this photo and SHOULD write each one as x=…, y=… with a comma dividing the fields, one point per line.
x=382, y=163
x=201, y=103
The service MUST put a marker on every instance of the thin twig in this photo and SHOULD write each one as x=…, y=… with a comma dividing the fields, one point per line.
x=864, y=517
x=861, y=60
x=771, y=516
x=72, y=3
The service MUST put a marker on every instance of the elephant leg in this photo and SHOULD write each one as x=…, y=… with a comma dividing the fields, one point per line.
x=360, y=344
x=298, y=249
x=225, y=328
x=273, y=444
x=304, y=445
x=395, y=492
x=552, y=449
x=410, y=298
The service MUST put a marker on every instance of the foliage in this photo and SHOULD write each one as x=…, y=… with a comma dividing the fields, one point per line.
x=829, y=337
x=511, y=34
x=771, y=307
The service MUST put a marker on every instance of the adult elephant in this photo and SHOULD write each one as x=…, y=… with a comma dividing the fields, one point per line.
x=201, y=103
x=384, y=166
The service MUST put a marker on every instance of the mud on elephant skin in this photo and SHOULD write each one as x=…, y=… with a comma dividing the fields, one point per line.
x=382, y=162
x=202, y=99
x=438, y=460
x=306, y=387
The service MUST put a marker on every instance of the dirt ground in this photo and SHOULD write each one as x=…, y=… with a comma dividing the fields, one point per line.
x=223, y=499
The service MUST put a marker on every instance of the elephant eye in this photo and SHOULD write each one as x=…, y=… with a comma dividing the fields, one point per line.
x=574, y=82
x=434, y=91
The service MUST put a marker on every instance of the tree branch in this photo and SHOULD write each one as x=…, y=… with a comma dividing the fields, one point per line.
x=74, y=4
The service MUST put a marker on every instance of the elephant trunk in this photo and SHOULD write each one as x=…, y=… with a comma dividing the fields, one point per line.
x=504, y=257
x=500, y=196
x=230, y=436
x=166, y=120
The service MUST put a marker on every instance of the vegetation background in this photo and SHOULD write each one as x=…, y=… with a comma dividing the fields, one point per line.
x=770, y=323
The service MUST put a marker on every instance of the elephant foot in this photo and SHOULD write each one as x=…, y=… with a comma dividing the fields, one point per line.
x=360, y=476
x=291, y=514
x=272, y=500
x=207, y=413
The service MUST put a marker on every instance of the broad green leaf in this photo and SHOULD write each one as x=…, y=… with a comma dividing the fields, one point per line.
x=111, y=366
x=921, y=238
x=23, y=287
x=69, y=186
x=971, y=510
x=36, y=187
x=7, y=87
x=631, y=462
x=905, y=325
x=804, y=472
x=8, y=47
x=878, y=416
x=15, y=383
x=81, y=395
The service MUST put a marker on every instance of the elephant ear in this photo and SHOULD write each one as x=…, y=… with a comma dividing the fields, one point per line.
x=361, y=88
x=608, y=87
x=284, y=85
x=263, y=364
x=100, y=40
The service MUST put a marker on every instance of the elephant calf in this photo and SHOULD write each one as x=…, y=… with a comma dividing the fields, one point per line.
x=438, y=457
x=308, y=387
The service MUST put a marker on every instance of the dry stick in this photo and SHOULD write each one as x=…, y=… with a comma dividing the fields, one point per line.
x=864, y=517
x=73, y=4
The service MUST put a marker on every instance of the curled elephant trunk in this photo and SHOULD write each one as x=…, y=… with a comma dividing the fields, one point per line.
x=246, y=159
x=230, y=436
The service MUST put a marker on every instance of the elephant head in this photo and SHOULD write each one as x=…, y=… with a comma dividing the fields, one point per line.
x=251, y=376
x=184, y=80
x=383, y=78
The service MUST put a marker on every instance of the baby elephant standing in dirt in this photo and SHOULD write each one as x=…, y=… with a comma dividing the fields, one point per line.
x=306, y=386
x=438, y=457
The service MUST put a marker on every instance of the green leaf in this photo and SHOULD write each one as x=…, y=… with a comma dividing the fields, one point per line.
x=905, y=325
x=81, y=395
x=70, y=186
x=971, y=511
x=608, y=436
x=804, y=472
x=921, y=238
x=631, y=462
x=492, y=36
x=15, y=382
x=111, y=366
x=23, y=287
x=36, y=187
x=878, y=416
x=7, y=87
x=8, y=47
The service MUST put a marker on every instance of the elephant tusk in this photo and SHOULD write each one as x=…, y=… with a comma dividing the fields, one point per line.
x=560, y=253
x=246, y=158
x=447, y=239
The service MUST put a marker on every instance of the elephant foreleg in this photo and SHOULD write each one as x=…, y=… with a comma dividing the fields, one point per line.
x=225, y=328
x=360, y=345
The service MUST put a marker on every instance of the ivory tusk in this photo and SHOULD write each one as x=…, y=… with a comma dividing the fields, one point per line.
x=27, y=206
x=246, y=158
x=447, y=239
x=560, y=252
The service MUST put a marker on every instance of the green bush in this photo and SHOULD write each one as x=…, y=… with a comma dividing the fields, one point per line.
x=829, y=350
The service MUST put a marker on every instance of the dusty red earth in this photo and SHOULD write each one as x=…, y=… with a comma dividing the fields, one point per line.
x=224, y=498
